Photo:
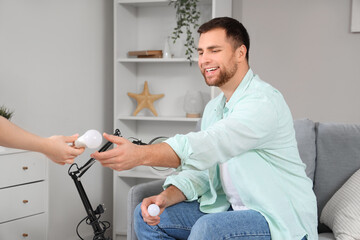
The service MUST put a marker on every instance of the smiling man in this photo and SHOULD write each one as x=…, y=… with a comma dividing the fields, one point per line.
x=241, y=176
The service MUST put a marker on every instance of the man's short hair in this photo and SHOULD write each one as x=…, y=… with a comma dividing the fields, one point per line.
x=233, y=28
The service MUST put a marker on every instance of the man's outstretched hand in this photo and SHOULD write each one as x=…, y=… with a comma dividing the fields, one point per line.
x=124, y=156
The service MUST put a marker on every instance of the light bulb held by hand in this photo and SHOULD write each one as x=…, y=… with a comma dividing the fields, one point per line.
x=90, y=139
x=153, y=210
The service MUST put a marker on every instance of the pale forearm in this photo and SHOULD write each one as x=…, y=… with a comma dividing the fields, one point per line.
x=13, y=136
x=56, y=147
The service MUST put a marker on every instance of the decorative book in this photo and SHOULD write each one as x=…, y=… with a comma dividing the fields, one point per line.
x=146, y=54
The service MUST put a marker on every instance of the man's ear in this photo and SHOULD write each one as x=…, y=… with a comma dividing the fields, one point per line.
x=241, y=53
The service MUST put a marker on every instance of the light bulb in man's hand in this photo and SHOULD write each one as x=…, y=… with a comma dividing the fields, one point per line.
x=153, y=210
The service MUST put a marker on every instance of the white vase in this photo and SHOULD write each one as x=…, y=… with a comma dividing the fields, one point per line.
x=166, y=50
x=193, y=104
x=178, y=47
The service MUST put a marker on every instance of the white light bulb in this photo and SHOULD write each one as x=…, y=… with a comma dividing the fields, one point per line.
x=90, y=139
x=153, y=210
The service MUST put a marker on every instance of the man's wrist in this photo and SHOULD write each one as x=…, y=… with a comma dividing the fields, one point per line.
x=144, y=155
x=173, y=195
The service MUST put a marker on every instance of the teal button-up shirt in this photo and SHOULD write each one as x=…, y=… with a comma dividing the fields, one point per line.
x=253, y=132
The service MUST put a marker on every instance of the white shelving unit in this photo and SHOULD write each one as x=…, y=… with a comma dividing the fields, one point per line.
x=144, y=25
x=167, y=119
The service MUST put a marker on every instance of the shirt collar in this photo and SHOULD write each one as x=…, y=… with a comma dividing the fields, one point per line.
x=236, y=95
x=240, y=89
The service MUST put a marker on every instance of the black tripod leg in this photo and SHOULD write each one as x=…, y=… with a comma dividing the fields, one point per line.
x=98, y=229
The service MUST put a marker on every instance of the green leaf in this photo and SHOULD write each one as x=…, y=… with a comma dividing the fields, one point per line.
x=6, y=113
x=187, y=16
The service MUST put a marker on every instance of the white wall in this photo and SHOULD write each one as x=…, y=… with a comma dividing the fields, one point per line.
x=306, y=50
x=56, y=73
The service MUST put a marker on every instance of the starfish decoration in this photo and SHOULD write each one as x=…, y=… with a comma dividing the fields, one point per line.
x=145, y=100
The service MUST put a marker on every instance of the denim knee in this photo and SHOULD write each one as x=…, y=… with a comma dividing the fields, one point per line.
x=138, y=219
x=247, y=225
x=202, y=228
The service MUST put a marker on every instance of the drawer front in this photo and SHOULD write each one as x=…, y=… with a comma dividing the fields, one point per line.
x=30, y=228
x=21, y=201
x=19, y=168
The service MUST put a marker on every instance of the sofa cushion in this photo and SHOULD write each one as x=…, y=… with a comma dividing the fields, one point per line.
x=305, y=137
x=342, y=212
x=338, y=157
x=326, y=236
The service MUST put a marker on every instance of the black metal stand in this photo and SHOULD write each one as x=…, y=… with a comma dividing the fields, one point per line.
x=93, y=220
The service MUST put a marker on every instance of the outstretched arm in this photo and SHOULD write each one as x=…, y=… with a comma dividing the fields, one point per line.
x=56, y=147
x=127, y=155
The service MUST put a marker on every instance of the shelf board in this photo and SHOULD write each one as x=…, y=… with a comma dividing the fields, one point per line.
x=155, y=60
x=142, y=3
x=161, y=118
x=152, y=3
x=144, y=172
x=133, y=174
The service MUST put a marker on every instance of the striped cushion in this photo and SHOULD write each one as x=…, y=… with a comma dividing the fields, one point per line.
x=342, y=212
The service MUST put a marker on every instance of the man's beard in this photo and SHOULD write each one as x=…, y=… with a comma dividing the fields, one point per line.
x=224, y=77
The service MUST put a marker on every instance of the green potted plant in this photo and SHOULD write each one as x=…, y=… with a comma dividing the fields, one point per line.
x=187, y=17
x=6, y=113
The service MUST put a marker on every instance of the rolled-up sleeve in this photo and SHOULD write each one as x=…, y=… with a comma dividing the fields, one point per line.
x=191, y=183
x=247, y=126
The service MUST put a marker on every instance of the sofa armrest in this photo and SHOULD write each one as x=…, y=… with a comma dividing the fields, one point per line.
x=136, y=194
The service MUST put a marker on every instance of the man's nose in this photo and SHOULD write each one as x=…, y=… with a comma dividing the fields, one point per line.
x=204, y=59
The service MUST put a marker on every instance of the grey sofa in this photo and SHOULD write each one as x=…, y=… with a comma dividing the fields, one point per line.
x=331, y=152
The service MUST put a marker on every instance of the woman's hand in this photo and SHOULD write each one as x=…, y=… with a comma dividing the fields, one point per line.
x=57, y=149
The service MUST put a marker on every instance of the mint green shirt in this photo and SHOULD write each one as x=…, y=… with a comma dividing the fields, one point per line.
x=253, y=132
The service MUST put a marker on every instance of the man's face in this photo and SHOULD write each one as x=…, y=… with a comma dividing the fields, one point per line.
x=217, y=60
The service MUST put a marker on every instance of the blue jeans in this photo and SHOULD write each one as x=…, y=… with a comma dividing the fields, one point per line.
x=185, y=221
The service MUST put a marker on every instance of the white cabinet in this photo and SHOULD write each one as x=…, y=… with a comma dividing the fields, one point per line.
x=23, y=195
x=29, y=228
x=145, y=25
